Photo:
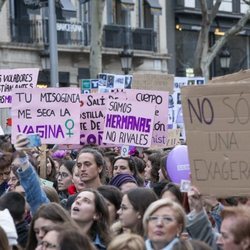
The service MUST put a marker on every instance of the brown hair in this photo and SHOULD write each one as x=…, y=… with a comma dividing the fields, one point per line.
x=5, y=159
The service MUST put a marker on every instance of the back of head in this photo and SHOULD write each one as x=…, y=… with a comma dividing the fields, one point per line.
x=51, y=194
x=191, y=245
x=15, y=203
x=127, y=241
x=4, y=244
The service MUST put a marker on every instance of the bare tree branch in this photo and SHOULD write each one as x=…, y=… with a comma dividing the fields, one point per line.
x=215, y=10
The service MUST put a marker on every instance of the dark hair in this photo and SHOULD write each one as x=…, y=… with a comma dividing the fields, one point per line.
x=4, y=243
x=15, y=203
x=69, y=164
x=51, y=211
x=100, y=226
x=175, y=190
x=98, y=156
x=52, y=175
x=163, y=164
x=155, y=160
x=132, y=167
x=51, y=194
x=140, y=164
x=191, y=245
x=5, y=159
x=140, y=199
x=112, y=194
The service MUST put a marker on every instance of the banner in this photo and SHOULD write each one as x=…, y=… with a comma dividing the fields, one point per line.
x=15, y=79
x=217, y=122
x=53, y=113
x=127, y=123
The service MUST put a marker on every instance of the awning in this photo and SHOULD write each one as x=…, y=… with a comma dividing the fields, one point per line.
x=127, y=4
x=68, y=10
x=155, y=7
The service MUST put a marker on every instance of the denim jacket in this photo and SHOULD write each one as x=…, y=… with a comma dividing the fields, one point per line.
x=34, y=193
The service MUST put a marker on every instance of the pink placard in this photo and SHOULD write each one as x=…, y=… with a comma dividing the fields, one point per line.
x=11, y=79
x=53, y=113
x=92, y=116
x=160, y=100
x=128, y=123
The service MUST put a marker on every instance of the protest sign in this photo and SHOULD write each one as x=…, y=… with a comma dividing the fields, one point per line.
x=217, y=121
x=160, y=100
x=173, y=137
x=92, y=114
x=127, y=123
x=15, y=79
x=53, y=113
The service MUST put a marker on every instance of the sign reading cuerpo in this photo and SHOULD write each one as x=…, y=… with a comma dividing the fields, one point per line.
x=53, y=113
x=127, y=123
x=15, y=79
x=217, y=121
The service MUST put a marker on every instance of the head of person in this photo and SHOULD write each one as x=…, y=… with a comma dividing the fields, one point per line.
x=15, y=203
x=5, y=162
x=152, y=167
x=191, y=245
x=46, y=216
x=127, y=241
x=124, y=182
x=51, y=193
x=163, y=221
x=50, y=168
x=124, y=165
x=140, y=165
x=109, y=158
x=64, y=237
x=78, y=183
x=235, y=228
x=163, y=175
x=13, y=178
x=5, y=144
x=113, y=198
x=4, y=243
x=91, y=166
x=147, y=152
x=172, y=192
x=134, y=204
x=64, y=175
x=90, y=212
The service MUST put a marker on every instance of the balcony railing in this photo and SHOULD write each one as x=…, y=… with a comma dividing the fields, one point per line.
x=78, y=34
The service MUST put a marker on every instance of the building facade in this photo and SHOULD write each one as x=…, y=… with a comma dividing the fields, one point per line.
x=24, y=40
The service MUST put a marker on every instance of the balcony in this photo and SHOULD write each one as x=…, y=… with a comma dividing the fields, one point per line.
x=78, y=34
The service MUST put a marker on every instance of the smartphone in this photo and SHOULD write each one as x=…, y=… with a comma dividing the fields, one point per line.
x=34, y=140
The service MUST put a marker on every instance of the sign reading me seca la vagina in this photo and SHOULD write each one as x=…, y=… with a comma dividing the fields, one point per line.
x=53, y=113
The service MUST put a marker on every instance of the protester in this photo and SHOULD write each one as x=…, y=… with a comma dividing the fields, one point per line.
x=51, y=194
x=235, y=228
x=46, y=216
x=163, y=222
x=14, y=179
x=126, y=165
x=109, y=157
x=190, y=245
x=124, y=182
x=50, y=169
x=78, y=183
x=172, y=192
x=127, y=241
x=113, y=198
x=15, y=203
x=4, y=243
x=90, y=212
x=5, y=162
x=134, y=204
x=91, y=165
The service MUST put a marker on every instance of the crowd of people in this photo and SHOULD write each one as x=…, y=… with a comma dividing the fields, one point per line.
x=95, y=198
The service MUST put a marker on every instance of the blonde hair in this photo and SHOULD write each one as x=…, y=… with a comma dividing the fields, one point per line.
x=127, y=241
x=176, y=207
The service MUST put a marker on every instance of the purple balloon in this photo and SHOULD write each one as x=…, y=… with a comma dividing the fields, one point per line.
x=177, y=164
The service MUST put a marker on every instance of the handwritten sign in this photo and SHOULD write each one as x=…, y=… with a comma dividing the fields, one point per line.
x=53, y=113
x=127, y=123
x=92, y=115
x=160, y=100
x=173, y=137
x=15, y=79
x=217, y=121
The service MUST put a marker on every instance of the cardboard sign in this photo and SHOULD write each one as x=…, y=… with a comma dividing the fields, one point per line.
x=92, y=115
x=217, y=121
x=11, y=79
x=160, y=100
x=53, y=113
x=173, y=137
x=127, y=123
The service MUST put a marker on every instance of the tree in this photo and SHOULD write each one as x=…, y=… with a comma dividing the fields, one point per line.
x=95, y=59
x=204, y=55
x=1, y=4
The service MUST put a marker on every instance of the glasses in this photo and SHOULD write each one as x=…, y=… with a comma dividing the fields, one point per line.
x=62, y=175
x=47, y=245
x=165, y=219
x=4, y=173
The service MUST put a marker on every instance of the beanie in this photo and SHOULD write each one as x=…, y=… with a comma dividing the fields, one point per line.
x=7, y=223
x=120, y=179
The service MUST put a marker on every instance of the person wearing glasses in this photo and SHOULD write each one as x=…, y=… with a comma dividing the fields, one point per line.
x=163, y=222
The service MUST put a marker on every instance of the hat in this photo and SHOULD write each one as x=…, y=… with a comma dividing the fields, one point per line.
x=7, y=223
x=120, y=179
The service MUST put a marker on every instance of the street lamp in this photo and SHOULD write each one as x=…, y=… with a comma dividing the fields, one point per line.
x=225, y=58
x=126, y=60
